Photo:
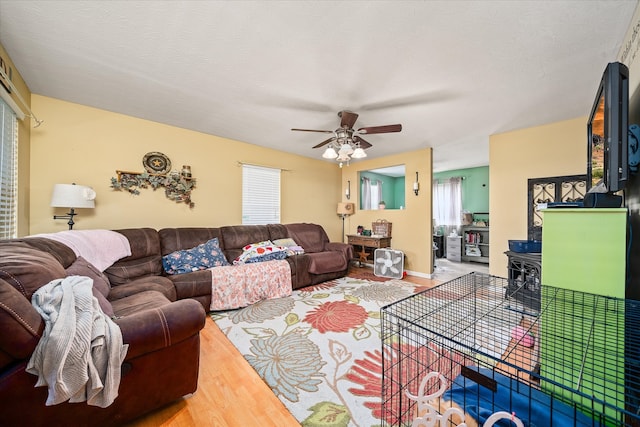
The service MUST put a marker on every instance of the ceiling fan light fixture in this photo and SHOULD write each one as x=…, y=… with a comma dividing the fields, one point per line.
x=345, y=145
x=346, y=149
x=359, y=153
x=329, y=153
x=343, y=158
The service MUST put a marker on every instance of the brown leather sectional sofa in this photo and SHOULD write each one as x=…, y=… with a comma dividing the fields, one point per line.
x=160, y=316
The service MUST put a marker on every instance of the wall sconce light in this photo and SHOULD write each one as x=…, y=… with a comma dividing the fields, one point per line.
x=347, y=192
x=416, y=185
x=72, y=196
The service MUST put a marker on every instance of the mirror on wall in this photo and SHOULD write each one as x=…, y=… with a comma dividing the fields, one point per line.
x=382, y=188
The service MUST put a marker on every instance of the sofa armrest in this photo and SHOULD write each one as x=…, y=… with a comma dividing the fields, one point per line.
x=345, y=248
x=161, y=327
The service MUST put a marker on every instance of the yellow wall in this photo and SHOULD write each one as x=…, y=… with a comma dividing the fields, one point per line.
x=24, y=129
x=86, y=145
x=411, y=227
x=551, y=150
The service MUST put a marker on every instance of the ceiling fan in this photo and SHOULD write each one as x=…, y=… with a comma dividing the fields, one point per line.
x=346, y=143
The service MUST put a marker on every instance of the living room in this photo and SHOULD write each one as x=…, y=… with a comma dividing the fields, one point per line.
x=87, y=144
x=75, y=131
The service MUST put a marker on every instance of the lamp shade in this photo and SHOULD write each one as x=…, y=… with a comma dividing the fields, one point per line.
x=345, y=208
x=73, y=196
x=359, y=153
x=330, y=153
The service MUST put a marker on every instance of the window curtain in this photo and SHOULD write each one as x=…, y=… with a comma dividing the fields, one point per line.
x=371, y=194
x=365, y=203
x=260, y=195
x=8, y=172
x=447, y=204
x=378, y=198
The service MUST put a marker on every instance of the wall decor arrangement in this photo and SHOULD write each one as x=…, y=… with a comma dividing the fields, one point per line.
x=177, y=185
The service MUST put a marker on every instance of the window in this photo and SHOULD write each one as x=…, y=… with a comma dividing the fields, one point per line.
x=8, y=172
x=260, y=195
x=447, y=202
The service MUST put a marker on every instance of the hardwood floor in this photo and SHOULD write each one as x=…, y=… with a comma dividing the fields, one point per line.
x=230, y=393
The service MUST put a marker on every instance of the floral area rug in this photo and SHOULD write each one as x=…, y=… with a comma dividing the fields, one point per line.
x=319, y=349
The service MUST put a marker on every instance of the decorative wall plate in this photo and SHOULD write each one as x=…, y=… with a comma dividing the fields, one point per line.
x=156, y=162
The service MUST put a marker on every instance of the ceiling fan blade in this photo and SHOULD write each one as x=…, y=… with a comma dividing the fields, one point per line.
x=380, y=129
x=348, y=119
x=363, y=144
x=323, y=143
x=313, y=130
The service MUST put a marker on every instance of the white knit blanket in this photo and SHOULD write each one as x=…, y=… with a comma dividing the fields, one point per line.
x=80, y=353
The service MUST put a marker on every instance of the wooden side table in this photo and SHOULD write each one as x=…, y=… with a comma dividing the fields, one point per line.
x=367, y=242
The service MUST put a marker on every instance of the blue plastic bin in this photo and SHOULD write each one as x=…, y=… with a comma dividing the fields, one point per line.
x=525, y=246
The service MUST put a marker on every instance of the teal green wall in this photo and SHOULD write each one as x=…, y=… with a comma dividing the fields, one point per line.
x=392, y=189
x=475, y=187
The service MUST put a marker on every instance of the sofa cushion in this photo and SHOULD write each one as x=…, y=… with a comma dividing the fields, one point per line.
x=124, y=271
x=236, y=237
x=26, y=268
x=202, y=257
x=311, y=237
x=160, y=284
x=277, y=231
x=82, y=267
x=176, y=239
x=63, y=253
x=139, y=302
x=101, y=286
x=192, y=285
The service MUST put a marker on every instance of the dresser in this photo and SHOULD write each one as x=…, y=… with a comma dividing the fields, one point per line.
x=454, y=248
x=367, y=244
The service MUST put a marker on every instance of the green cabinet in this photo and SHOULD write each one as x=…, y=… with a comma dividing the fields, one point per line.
x=585, y=250
x=582, y=319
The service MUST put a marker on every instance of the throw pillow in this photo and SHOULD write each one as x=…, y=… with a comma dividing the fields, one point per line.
x=260, y=252
x=202, y=257
x=286, y=242
x=101, y=285
x=292, y=247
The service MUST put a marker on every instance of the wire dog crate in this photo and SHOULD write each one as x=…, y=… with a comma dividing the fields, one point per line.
x=469, y=348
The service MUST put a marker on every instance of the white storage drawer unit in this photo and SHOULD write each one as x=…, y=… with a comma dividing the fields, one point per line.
x=454, y=248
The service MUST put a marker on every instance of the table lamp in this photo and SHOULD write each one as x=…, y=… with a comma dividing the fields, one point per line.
x=72, y=196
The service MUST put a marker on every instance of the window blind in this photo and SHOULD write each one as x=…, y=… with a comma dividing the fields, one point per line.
x=8, y=172
x=260, y=195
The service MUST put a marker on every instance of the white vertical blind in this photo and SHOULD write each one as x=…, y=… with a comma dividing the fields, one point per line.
x=8, y=172
x=260, y=195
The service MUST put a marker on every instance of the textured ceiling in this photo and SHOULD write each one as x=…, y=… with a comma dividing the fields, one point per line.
x=451, y=72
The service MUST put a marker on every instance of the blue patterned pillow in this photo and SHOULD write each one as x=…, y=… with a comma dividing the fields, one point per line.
x=206, y=255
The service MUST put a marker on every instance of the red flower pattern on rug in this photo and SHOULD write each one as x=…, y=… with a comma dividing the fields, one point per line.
x=368, y=373
x=337, y=316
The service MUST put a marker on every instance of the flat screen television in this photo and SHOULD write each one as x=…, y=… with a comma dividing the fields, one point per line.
x=607, y=131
